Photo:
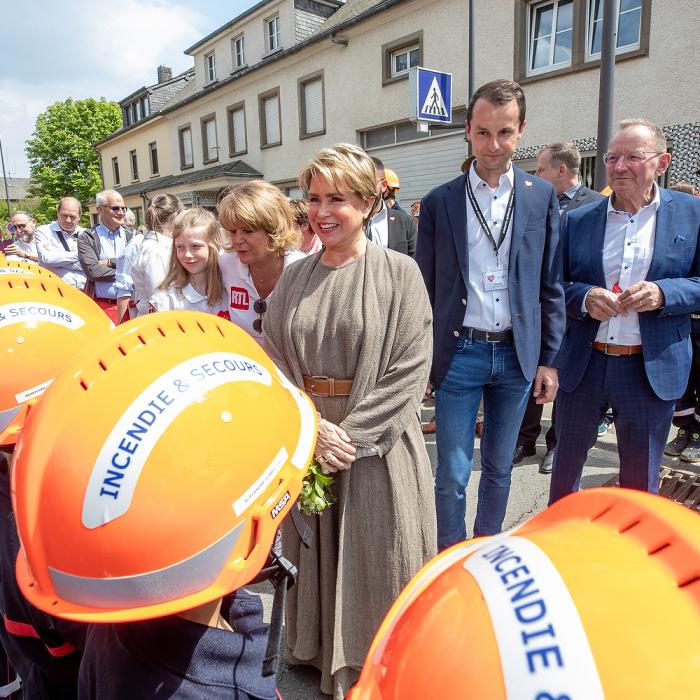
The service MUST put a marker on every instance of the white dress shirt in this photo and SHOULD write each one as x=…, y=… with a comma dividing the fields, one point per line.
x=241, y=290
x=187, y=299
x=379, y=226
x=53, y=255
x=112, y=245
x=627, y=251
x=488, y=311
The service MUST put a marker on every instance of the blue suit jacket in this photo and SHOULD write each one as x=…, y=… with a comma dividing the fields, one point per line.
x=675, y=267
x=534, y=273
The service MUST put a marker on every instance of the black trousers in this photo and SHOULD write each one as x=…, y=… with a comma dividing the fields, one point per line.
x=530, y=427
x=691, y=398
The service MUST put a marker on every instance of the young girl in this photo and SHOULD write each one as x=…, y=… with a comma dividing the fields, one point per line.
x=194, y=280
x=146, y=259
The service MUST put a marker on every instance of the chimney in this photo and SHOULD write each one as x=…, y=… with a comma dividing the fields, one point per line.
x=164, y=73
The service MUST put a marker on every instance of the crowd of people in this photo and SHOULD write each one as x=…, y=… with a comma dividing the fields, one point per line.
x=499, y=291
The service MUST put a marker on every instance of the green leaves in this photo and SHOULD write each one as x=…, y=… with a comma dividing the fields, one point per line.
x=61, y=152
x=316, y=494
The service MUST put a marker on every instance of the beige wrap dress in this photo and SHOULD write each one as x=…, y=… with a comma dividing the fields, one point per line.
x=368, y=320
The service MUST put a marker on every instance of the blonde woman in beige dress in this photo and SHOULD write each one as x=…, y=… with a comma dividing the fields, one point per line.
x=352, y=325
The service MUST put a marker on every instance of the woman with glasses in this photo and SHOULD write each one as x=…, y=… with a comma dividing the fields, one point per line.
x=259, y=222
x=351, y=324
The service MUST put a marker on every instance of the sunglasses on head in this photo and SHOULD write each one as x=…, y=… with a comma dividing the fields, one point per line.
x=260, y=307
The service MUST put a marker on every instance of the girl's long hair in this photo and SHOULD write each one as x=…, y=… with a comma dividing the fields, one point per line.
x=177, y=276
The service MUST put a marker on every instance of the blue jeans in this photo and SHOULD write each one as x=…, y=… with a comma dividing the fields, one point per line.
x=477, y=368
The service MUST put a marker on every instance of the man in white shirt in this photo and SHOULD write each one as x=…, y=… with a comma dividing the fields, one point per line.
x=488, y=249
x=631, y=274
x=99, y=249
x=389, y=227
x=57, y=243
x=23, y=247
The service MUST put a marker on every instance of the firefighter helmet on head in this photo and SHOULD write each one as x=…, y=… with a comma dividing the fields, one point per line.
x=596, y=597
x=154, y=473
x=43, y=323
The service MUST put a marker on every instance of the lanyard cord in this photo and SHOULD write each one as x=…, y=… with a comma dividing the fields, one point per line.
x=482, y=220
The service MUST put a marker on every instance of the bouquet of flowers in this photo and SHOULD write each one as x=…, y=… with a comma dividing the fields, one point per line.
x=316, y=493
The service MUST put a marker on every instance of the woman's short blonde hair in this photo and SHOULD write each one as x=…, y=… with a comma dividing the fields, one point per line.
x=347, y=166
x=258, y=205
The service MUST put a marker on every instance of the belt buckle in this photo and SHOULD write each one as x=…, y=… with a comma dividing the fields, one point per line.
x=322, y=378
x=489, y=334
x=611, y=354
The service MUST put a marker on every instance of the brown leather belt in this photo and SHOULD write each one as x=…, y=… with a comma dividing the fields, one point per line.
x=327, y=386
x=617, y=350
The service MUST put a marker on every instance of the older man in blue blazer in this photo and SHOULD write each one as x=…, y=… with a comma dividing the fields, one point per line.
x=632, y=278
x=488, y=248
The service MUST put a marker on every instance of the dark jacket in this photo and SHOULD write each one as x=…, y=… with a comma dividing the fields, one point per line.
x=534, y=275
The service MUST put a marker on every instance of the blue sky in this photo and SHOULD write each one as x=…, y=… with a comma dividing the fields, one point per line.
x=80, y=48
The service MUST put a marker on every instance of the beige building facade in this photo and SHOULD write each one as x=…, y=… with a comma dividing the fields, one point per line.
x=289, y=77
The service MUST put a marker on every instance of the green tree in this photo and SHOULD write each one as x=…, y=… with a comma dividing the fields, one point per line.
x=61, y=154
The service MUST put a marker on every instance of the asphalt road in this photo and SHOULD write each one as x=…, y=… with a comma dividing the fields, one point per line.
x=528, y=495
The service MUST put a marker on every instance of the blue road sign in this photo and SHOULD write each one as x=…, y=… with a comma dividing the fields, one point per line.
x=432, y=92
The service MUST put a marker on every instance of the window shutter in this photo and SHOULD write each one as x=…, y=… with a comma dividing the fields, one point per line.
x=238, y=124
x=313, y=106
x=272, y=120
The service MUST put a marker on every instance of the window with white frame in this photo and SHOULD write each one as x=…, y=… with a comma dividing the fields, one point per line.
x=153, y=150
x=550, y=35
x=273, y=33
x=210, y=67
x=210, y=145
x=400, y=55
x=134, y=165
x=312, y=120
x=629, y=25
x=555, y=36
x=237, y=142
x=404, y=59
x=238, y=52
x=270, y=124
x=185, y=143
x=115, y=170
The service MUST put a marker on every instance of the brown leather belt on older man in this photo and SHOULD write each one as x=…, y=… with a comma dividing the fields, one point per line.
x=617, y=350
x=327, y=386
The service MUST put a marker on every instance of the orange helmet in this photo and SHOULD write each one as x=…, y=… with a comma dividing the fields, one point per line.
x=22, y=267
x=392, y=179
x=43, y=323
x=596, y=597
x=152, y=476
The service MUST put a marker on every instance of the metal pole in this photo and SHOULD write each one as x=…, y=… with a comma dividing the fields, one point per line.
x=4, y=177
x=607, y=87
x=470, y=59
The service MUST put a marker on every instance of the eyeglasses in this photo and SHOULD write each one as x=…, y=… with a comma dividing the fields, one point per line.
x=13, y=228
x=115, y=209
x=260, y=307
x=636, y=158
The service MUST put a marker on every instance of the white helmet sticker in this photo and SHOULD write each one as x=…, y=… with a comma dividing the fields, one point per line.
x=543, y=645
x=126, y=450
x=31, y=312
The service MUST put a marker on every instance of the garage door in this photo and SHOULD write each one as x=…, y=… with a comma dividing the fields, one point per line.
x=423, y=165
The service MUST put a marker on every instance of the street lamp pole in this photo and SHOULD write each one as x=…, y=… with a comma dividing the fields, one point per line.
x=606, y=88
x=470, y=59
x=4, y=177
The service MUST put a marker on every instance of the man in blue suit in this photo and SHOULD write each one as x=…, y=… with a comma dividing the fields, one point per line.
x=632, y=277
x=488, y=248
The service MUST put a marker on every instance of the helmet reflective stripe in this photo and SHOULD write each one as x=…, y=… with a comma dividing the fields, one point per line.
x=543, y=646
x=307, y=433
x=135, y=435
x=6, y=417
x=16, y=271
x=32, y=311
x=170, y=583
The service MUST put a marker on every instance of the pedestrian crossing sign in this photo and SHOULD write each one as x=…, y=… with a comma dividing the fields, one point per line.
x=431, y=95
